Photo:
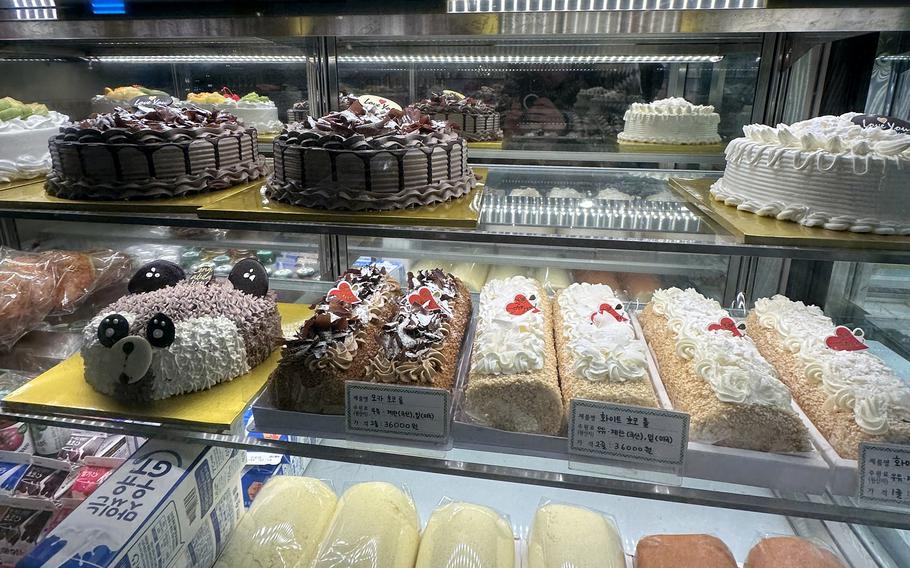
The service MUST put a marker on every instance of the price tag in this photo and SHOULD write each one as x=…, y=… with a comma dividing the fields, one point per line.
x=628, y=433
x=420, y=414
x=884, y=472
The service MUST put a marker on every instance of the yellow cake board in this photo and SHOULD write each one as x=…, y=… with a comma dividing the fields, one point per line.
x=697, y=149
x=21, y=182
x=752, y=229
x=266, y=138
x=252, y=205
x=63, y=390
x=33, y=196
x=492, y=145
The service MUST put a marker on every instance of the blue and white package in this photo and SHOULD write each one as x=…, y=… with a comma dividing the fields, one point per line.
x=208, y=542
x=146, y=510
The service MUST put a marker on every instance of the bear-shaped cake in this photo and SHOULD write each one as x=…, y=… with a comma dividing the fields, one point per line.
x=172, y=335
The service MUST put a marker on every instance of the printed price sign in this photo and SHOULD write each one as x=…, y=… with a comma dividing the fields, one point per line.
x=884, y=472
x=628, y=433
x=420, y=414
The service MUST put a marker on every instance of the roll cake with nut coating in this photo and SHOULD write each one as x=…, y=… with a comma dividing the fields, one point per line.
x=850, y=395
x=336, y=343
x=513, y=384
x=599, y=356
x=419, y=346
x=713, y=371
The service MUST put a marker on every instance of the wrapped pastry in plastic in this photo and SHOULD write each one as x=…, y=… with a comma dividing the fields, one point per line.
x=284, y=527
x=563, y=536
x=473, y=274
x=375, y=525
x=683, y=551
x=790, y=552
x=27, y=284
x=463, y=535
x=553, y=278
x=80, y=274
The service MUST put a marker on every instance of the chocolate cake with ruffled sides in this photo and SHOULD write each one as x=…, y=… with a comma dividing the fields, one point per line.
x=152, y=152
x=364, y=158
x=476, y=120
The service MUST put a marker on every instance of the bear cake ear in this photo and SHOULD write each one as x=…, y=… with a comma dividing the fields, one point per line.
x=155, y=275
x=250, y=277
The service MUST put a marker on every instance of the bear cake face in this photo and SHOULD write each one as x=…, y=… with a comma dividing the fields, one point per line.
x=172, y=336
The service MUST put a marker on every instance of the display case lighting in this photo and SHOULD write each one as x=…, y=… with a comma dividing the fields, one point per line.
x=200, y=58
x=894, y=57
x=482, y=6
x=35, y=9
x=533, y=59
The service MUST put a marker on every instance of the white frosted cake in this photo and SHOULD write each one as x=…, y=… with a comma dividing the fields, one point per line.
x=670, y=121
x=24, y=133
x=844, y=173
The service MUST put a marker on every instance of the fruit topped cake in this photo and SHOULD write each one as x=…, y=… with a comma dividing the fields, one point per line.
x=124, y=97
x=476, y=120
x=24, y=133
x=149, y=152
x=252, y=110
x=171, y=335
x=367, y=158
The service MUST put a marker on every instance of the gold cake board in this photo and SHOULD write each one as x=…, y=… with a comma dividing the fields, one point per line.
x=647, y=148
x=252, y=205
x=21, y=182
x=752, y=229
x=62, y=390
x=489, y=145
x=33, y=196
x=266, y=138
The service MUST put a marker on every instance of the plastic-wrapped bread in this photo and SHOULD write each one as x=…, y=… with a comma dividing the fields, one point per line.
x=473, y=274
x=563, y=536
x=375, y=525
x=554, y=278
x=849, y=394
x=284, y=527
x=790, y=552
x=504, y=271
x=421, y=343
x=713, y=371
x=599, y=356
x=462, y=535
x=513, y=384
x=683, y=551
x=336, y=343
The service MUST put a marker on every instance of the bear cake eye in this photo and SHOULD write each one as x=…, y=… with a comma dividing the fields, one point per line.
x=160, y=331
x=112, y=329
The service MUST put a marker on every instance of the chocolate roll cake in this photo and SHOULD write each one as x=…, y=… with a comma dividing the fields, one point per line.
x=476, y=120
x=365, y=158
x=420, y=345
x=151, y=152
x=337, y=343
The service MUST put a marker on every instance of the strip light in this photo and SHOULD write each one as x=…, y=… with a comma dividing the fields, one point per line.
x=893, y=58
x=481, y=6
x=35, y=9
x=200, y=59
x=535, y=59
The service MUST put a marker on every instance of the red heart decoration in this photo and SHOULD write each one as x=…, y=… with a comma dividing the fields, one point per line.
x=608, y=309
x=344, y=292
x=726, y=324
x=844, y=340
x=520, y=306
x=424, y=298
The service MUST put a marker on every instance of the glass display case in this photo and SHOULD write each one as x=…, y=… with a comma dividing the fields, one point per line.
x=560, y=200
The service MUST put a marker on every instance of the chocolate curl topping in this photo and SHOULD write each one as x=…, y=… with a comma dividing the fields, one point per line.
x=371, y=121
x=157, y=117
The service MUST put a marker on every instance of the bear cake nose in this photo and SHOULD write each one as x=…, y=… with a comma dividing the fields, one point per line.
x=130, y=359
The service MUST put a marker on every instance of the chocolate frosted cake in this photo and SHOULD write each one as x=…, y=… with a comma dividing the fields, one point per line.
x=420, y=345
x=476, y=120
x=364, y=158
x=299, y=111
x=150, y=152
x=336, y=343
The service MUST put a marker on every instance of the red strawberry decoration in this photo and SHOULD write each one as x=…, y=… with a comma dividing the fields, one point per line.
x=726, y=324
x=344, y=292
x=226, y=93
x=424, y=298
x=521, y=305
x=845, y=340
x=608, y=309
